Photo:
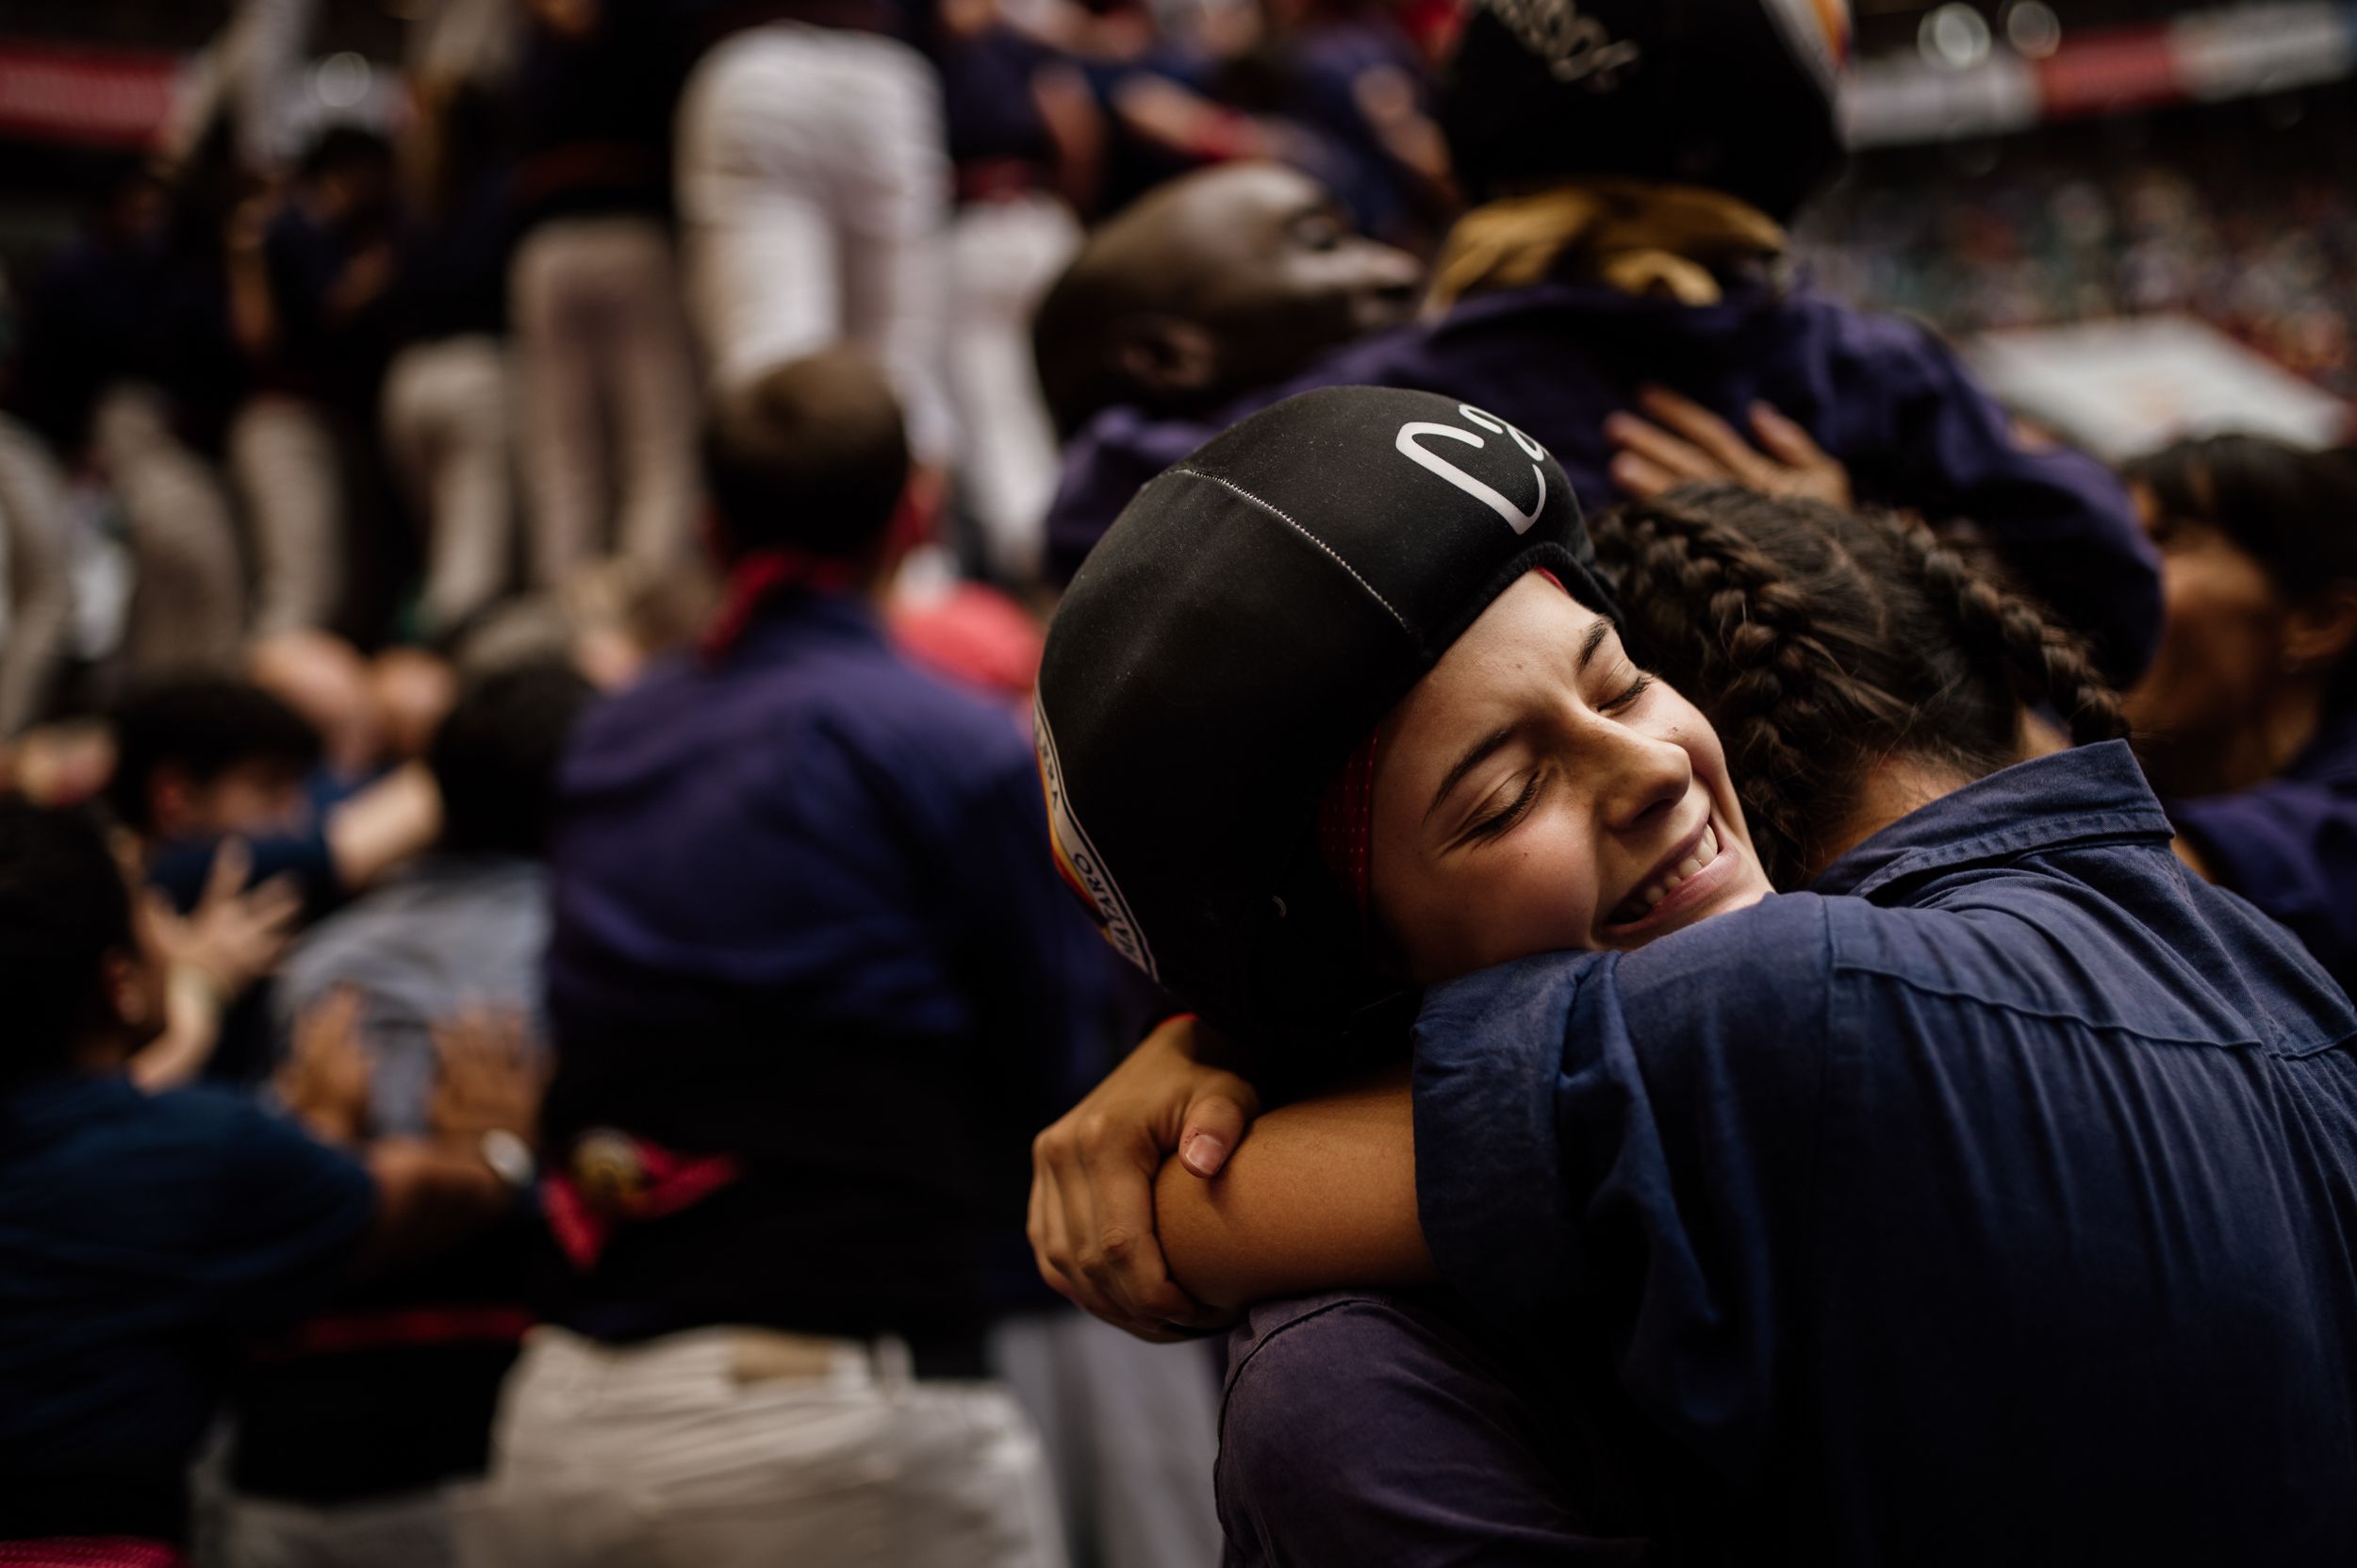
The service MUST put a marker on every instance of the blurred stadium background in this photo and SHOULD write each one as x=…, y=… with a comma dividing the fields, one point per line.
x=2178, y=174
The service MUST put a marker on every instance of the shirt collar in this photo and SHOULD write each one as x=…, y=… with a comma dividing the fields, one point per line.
x=2083, y=795
x=2331, y=757
x=801, y=618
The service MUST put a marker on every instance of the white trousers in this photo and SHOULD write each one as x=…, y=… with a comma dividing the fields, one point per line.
x=450, y=438
x=1132, y=1431
x=605, y=371
x=1003, y=256
x=412, y=1530
x=35, y=528
x=681, y=1453
x=282, y=452
x=813, y=191
x=188, y=601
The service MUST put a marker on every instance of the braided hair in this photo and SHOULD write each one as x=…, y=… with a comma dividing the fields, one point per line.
x=1818, y=641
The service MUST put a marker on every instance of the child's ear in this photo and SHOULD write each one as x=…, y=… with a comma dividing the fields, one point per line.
x=128, y=1001
x=2322, y=630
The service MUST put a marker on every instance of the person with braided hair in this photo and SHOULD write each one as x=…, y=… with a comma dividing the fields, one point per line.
x=2246, y=721
x=1983, y=1195
x=1816, y=639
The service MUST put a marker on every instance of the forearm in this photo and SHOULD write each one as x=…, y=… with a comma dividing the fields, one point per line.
x=253, y=316
x=1322, y=1193
x=383, y=825
x=192, y=1010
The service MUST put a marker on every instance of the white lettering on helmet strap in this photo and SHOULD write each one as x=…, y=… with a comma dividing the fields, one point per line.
x=1076, y=860
x=1576, y=48
x=1516, y=518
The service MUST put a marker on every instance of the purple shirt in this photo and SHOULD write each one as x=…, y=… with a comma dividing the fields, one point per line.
x=2290, y=844
x=1881, y=393
x=1360, y=1427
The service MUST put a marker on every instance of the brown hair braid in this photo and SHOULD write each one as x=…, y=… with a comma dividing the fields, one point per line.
x=1817, y=641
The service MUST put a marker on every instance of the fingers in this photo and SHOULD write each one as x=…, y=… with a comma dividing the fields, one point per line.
x=275, y=902
x=1683, y=461
x=1783, y=439
x=332, y=1021
x=1214, y=1124
x=1119, y=1253
x=1705, y=431
x=232, y=863
x=1642, y=477
x=1811, y=471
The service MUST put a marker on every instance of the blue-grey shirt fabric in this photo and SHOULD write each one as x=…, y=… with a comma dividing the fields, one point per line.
x=1994, y=1202
x=453, y=931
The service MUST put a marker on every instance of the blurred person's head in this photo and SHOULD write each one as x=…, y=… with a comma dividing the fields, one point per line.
x=81, y=969
x=810, y=457
x=414, y=692
x=207, y=756
x=2258, y=543
x=349, y=172
x=130, y=206
x=495, y=758
x=565, y=18
x=1734, y=95
x=326, y=682
x=1217, y=282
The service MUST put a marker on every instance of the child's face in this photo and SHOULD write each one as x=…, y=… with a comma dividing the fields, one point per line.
x=1535, y=793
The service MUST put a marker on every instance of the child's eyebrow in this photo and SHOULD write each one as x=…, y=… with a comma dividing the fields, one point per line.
x=1466, y=764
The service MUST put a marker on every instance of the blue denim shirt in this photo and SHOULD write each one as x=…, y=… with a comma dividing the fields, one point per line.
x=1993, y=1201
x=1879, y=392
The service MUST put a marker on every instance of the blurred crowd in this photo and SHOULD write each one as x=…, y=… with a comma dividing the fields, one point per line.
x=2244, y=219
x=396, y=527
x=415, y=386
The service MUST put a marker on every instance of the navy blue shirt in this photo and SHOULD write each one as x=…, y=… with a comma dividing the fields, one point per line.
x=180, y=868
x=139, y=1236
x=1992, y=1202
x=802, y=917
x=2290, y=844
x=1881, y=393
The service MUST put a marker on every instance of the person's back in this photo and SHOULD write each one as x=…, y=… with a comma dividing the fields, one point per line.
x=807, y=956
x=1996, y=1194
x=809, y=988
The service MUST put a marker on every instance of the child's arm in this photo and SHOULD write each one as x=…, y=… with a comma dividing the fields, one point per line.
x=1323, y=1193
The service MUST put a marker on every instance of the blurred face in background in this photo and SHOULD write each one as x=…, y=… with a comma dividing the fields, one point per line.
x=2239, y=660
x=250, y=799
x=1263, y=272
x=1286, y=275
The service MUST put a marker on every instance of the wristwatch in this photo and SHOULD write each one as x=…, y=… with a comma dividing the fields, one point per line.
x=510, y=1158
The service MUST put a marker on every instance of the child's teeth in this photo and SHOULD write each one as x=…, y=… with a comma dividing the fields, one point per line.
x=1655, y=894
x=1688, y=867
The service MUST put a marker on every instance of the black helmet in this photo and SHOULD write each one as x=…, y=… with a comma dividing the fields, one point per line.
x=1734, y=94
x=1246, y=622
